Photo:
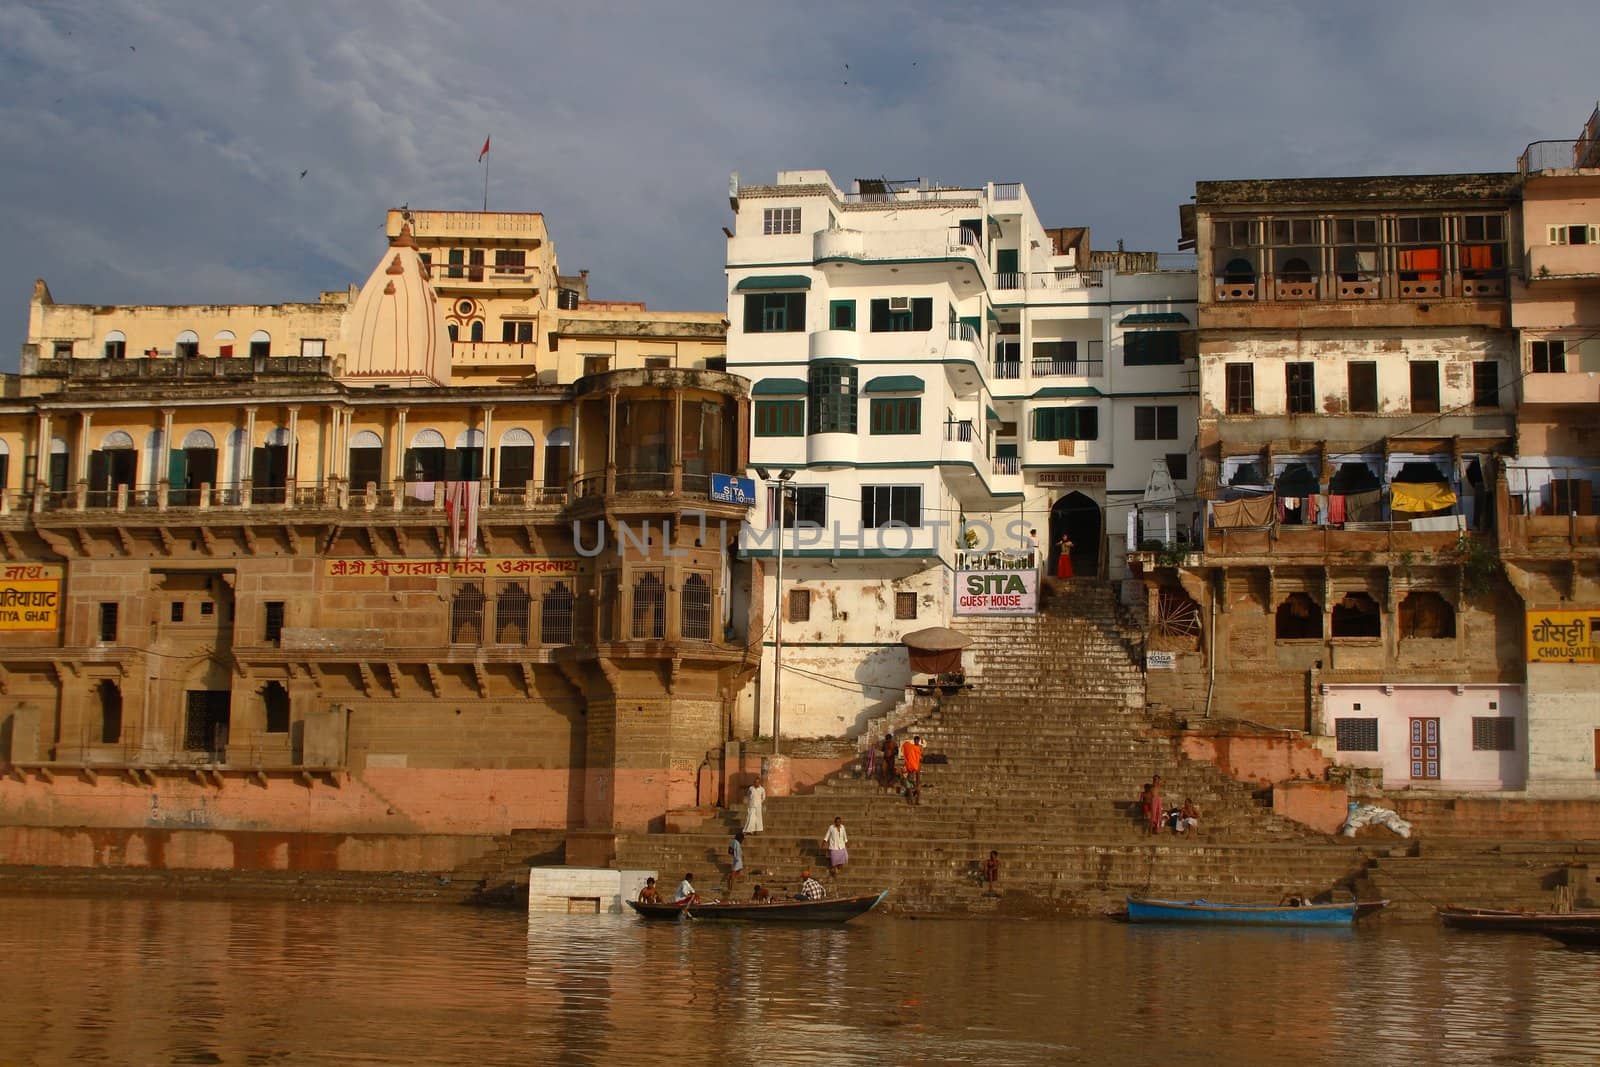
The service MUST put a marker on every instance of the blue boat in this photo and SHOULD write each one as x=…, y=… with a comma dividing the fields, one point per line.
x=1287, y=913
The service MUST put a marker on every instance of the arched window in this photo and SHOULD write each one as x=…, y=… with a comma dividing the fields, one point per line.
x=269, y=468
x=59, y=466
x=187, y=345
x=555, y=615
x=424, y=460
x=191, y=468
x=649, y=607
x=557, y=459
x=199, y=439
x=116, y=345
x=275, y=705
x=468, y=465
x=1299, y=618
x=1295, y=269
x=1357, y=615
x=477, y=330
x=110, y=712
x=515, y=459
x=224, y=340
x=1239, y=271
x=1425, y=614
x=696, y=608
x=466, y=615
x=366, y=460
x=511, y=611
x=116, y=439
x=454, y=331
x=260, y=344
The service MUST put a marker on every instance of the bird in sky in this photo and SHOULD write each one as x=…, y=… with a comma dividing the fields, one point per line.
x=303, y=175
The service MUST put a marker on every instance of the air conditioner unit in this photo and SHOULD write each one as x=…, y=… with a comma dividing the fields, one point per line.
x=899, y=303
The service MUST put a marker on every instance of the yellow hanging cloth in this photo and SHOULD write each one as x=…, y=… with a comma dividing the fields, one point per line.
x=1420, y=496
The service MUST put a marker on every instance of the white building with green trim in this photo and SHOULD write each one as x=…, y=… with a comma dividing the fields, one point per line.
x=923, y=357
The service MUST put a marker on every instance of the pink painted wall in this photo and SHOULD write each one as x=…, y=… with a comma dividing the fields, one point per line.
x=1261, y=758
x=1319, y=805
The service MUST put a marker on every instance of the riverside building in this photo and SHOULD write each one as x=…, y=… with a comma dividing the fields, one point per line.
x=927, y=360
x=433, y=555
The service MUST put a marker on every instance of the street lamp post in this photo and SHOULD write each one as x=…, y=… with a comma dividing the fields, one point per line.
x=784, y=489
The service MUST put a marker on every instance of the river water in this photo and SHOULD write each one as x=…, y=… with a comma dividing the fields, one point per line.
x=91, y=981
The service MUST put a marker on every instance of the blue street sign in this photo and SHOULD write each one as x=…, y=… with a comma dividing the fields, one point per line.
x=730, y=489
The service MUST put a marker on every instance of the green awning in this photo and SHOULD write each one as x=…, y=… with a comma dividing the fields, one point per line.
x=992, y=316
x=994, y=224
x=895, y=383
x=1056, y=392
x=775, y=281
x=779, y=387
x=994, y=416
x=1156, y=318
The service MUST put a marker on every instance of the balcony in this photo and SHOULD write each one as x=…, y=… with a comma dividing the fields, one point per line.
x=1227, y=290
x=1068, y=368
x=1009, y=280
x=1553, y=263
x=493, y=354
x=1294, y=288
x=896, y=245
x=1573, y=387
x=835, y=344
x=1582, y=153
x=231, y=369
x=1006, y=370
x=1006, y=465
x=1065, y=280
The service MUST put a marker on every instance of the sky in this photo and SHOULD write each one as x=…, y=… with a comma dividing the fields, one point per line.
x=151, y=151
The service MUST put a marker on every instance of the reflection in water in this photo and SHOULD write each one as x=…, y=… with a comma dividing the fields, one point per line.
x=129, y=981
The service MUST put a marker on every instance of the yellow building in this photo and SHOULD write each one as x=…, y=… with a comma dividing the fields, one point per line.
x=444, y=540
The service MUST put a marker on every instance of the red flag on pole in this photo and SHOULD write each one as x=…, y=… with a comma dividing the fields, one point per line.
x=485, y=150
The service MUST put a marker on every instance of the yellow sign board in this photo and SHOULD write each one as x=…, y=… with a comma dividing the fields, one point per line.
x=1564, y=636
x=451, y=568
x=30, y=596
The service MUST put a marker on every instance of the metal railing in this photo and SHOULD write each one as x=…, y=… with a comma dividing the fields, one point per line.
x=1010, y=279
x=960, y=431
x=1007, y=191
x=1068, y=368
x=996, y=559
x=1066, y=279
x=1007, y=369
x=1008, y=464
x=962, y=331
x=1572, y=154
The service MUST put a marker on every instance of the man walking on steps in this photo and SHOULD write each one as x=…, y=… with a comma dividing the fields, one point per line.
x=836, y=842
x=911, y=756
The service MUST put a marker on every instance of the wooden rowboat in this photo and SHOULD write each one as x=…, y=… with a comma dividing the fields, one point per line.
x=1508, y=921
x=1146, y=910
x=826, y=910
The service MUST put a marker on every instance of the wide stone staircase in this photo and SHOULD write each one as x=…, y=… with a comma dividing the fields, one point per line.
x=1041, y=759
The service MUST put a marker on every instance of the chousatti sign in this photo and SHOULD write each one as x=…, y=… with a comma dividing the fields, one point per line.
x=1564, y=636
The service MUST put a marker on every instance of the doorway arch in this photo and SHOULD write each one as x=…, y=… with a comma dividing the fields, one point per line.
x=1078, y=517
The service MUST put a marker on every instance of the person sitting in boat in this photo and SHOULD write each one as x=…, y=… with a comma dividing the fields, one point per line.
x=686, y=893
x=810, y=888
x=762, y=895
x=649, y=894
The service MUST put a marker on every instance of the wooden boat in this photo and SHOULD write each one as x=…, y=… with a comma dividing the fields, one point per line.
x=1510, y=921
x=826, y=910
x=1585, y=935
x=1146, y=910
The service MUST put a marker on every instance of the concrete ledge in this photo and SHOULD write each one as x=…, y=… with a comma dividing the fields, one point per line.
x=582, y=890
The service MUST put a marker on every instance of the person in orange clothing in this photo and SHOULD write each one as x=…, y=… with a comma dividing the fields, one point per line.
x=911, y=757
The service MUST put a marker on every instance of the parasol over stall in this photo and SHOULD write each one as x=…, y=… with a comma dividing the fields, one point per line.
x=936, y=650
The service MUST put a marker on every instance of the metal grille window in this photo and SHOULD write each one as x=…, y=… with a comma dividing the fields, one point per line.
x=108, y=622
x=1494, y=734
x=466, y=615
x=1241, y=387
x=511, y=610
x=1485, y=384
x=1356, y=735
x=1300, y=381
x=696, y=604
x=649, y=607
x=1363, y=383
x=895, y=415
x=1155, y=423
x=799, y=605
x=780, y=220
x=1548, y=357
x=780, y=418
x=831, y=389
x=272, y=622
x=555, y=614
x=885, y=504
x=905, y=605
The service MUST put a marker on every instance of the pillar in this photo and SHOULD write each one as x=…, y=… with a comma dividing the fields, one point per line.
x=247, y=461
x=488, y=477
x=677, y=441
x=611, y=443
x=293, y=478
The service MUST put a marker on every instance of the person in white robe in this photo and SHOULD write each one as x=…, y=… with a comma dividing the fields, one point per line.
x=755, y=799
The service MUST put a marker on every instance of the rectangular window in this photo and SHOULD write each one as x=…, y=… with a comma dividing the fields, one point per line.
x=774, y=312
x=596, y=365
x=1241, y=389
x=805, y=505
x=510, y=260
x=108, y=622
x=1548, y=357
x=458, y=256
x=905, y=605
x=1152, y=348
x=1579, y=234
x=1066, y=424
x=176, y=611
x=841, y=314
x=1356, y=735
x=272, y=623
x=895, y=415
x=831, y=398
x=516, y=332
x=885, y=504
x=780, y=418
x=1300, y=379
x=207, y=609
x=1156, y=423
x=1485, y=384
x=1178, y=465
x=312, y=346
x=799, y=605
x=657, y=362
x=1055, y=357
x=1363, y=381
x=1425, y=386
x=902, y=315
x=780, y=220
x=260, y=349
x=63, y=350
x=1494, y=734
x=183, y=350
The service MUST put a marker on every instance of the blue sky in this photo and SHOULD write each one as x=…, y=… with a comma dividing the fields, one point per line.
x=152, y=151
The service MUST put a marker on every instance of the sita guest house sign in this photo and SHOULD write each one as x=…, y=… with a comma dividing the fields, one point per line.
x=996, y=590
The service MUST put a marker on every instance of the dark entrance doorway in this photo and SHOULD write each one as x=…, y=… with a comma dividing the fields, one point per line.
x=205, y=728
x=269, y=474
x=1077, y=517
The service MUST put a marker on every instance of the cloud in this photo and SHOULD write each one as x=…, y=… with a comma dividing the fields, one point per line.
x=154, y=151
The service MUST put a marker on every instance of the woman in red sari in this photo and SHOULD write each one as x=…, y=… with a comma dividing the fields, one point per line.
x=1064, y=560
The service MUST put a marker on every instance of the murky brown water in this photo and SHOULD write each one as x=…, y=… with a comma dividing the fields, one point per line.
x=156, y=982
